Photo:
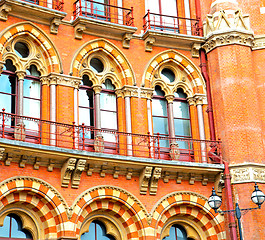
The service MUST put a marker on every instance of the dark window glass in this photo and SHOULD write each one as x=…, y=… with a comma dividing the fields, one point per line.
x=12, y=228
x=176, y=232
x=21, y=49
x=168, y=75
x=97, y=231
x=96, y=65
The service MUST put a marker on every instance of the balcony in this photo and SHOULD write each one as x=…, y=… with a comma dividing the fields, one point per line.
x=172, y=31
x=44, y=11
x=102, y=19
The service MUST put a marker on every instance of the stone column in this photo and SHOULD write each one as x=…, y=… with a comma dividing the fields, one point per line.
x=20, y=75
x=97, y=89
x=53, y=82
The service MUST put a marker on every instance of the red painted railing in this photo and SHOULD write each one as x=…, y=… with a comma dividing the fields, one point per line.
x=53, y=4
x=104, y=12
x=85, y=138
x=166, y=23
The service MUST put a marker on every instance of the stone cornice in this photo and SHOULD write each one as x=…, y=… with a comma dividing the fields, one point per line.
x=247, y=172
x=60, y=79
x=231, y=37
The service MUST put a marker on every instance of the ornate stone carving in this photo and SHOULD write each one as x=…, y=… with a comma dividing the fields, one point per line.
x=50, y=166
x=166, y=177
x=36, y=165
x=129, y=174
x=23, y=160
x=154, y=180
x=4, y=10
x=174, y=151
x=149, y=42
x=126, y=38
x=195, y=50
x=144, y=179
x=1, y=66
x=116, y=172
x=66, y=171
x=8, y=159
x=179, y=178
x=79, y=30
x=241, y=175
x=192, y=179
x=19, y=132
x=90, y=169
x=97, y=89
x=2, y=152
x=99, y=143
x=103, y=171
x=54, y=25
x=204, y=180
x=227, y=27
x=80, y=167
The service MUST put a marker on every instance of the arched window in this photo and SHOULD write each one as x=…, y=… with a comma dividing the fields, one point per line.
x=97, y=231
x=12, y=229
x=180, y=117
x=8, y=88
x=108, y=110
x=177, y=232
x=86, y=105
x=160, y=115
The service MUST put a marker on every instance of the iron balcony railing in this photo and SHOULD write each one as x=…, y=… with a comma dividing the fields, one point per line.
x=53, y=4
x=104, y=12
x=86, y=138
x=171, y=24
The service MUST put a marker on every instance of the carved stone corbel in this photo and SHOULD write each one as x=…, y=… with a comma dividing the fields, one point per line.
x=80, y=167
x=2, y=152
x=204, y=180
x=66, y=171
x=129, y=174
x=179, y=178
x=126, y=38
x=144, y=179
x=195, y=50
x=50, y=166
x=192, y=179
x=149, y=42
x=8, y=159
x=36, y=165
x=79, y=30
x=90, y=169
x=103, y=171
x=55, y=23
x=219, y=183
x=154, y=180
x=116, y=172
x=166, y=177
x=4, y=10
x=23, y=160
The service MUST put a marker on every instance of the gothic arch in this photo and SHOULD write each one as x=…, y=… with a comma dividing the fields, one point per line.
x=188, y=76
x=46, y=52
x=120, y=204
x=188, y=205
x=39, y=198
x=101, y=47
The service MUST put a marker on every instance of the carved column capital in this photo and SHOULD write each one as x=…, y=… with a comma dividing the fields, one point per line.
x=20, y=75
x=170, y=98
x=97, y=89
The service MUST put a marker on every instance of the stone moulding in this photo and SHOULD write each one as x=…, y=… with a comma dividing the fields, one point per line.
x=247, y=172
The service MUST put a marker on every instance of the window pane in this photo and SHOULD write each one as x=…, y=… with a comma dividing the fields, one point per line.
x=86, y=98
x=181, y=109
x=169, y=7
x=6, y=84
x=159, y=107
x=108, y=101
x=182, y=127
x=160, y=125
x=4, y=231
x=96, y=231
x=31, y=108
x=5, y=102
x=31, y=88
x=108, y=120
x=16, y=230
x=108, y=85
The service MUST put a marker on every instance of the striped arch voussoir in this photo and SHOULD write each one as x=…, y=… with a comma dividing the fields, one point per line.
x=193, y=206
x=184, y=64
x=38, y=196
x=112, y=52
x=122, y=205
x=53, y=62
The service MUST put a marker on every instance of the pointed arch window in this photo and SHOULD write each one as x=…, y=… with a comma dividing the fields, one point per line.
x=177, y=232
x=86, y=105
x=180, y=117
x=12, y=229
x=97, y=231
x=8, y=88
